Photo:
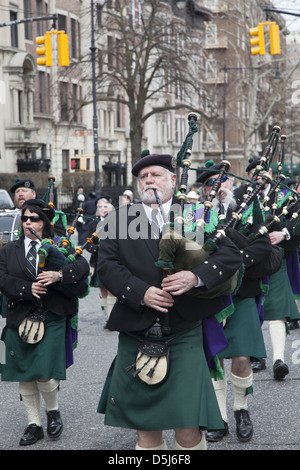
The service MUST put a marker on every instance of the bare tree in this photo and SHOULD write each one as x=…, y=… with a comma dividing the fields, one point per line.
x=150, y=62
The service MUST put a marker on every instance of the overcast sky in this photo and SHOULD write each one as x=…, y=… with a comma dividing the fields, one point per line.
x=292, y=6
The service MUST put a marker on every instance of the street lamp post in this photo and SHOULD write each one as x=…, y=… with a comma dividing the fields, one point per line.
x=95, y=117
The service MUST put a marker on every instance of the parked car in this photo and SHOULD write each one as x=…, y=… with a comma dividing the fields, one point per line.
x=9, y=225
x=9, y=218
x=5, y=200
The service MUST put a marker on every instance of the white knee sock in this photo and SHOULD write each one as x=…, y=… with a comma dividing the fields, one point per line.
x=103, y=303
x=201, y=446
x=240, y=385
x=31, y=399
x=220, y=387
x=162, y=446
x=49, y=391
x=110, y=303
x=278, y=335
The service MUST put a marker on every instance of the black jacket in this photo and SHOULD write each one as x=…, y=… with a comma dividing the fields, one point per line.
x=126, y=266
x=15, y=284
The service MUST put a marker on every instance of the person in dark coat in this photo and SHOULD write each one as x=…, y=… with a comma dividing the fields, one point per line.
x=38, y=302
x=243, y=327
x=152, y=307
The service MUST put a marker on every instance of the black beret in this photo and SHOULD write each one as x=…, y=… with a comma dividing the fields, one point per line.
x=22, y=184
x=164, y=160
x=291, y=182
x=48, y=210
x=209, y=171
x=252, y=164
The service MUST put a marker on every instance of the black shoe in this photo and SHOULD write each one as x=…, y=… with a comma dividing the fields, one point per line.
x=55, y=425
x=244, y=426
x=280, y=369
x=215, y=436
x=293, y=325
x=32, y=434
x=258, y=365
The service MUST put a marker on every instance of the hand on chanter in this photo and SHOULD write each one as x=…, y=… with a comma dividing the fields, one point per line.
x=276, y=237
x=179, y=283
x=38, y=289
x=158, y=299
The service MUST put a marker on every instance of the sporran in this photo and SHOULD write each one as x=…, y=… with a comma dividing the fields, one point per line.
x=152, y=362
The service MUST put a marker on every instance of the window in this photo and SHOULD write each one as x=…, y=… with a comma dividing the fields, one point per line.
x=65, y=160
x=100, y=62
x=62, y=23
x=14, y=29
x=74, y=40
x=211, y=69
x=39, y=12
x=42, y=104
x=118, y=113
x=179, y=130
x=109, y=53
x=20, y=107
x=63, y=87
x=211, y=34
x=27, y=14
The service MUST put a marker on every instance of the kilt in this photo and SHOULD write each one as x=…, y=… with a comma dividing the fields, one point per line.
x=95, y=281
x=185, y=399
x=243, y=331
x=44, y=360
x=280, y=302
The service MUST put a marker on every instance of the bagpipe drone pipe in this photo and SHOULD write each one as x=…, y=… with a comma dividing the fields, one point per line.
x=178, y=250
x=60, y=252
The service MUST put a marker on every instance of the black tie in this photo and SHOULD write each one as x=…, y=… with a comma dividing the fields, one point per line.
x=155, y=230
x=31, y=259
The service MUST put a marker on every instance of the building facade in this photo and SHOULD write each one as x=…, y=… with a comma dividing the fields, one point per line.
x=48, y=113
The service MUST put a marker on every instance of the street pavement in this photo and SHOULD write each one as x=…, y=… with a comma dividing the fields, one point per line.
x=274, y=405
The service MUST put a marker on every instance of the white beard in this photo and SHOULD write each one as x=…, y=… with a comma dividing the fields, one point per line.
x=147, y=196
x=228, y=201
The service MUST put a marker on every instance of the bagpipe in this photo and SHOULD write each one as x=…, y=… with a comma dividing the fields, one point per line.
x=177, y=249
x=184, y=251
x=279, y=211
x=60, y=252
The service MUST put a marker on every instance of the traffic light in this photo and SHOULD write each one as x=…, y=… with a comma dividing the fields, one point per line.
x=274, y=39
x=63, y=49
x=44, y=49
x=257, y=42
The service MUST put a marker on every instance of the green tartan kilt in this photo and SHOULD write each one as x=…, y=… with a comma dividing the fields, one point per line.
x=280, y=302
x=243, y=331
x=186, y=399
x=44, y=360
x=95, y=281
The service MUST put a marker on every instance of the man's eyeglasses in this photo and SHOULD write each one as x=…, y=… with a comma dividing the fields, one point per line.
x=32, y=218
x=212, y=180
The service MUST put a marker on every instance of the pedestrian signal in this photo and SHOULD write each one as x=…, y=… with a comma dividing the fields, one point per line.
x=75, y=163
x=44, y=50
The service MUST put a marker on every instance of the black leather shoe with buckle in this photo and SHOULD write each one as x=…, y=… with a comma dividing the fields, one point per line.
x=216, y=436
x=244, y=426
x=55, y=425
x=32, y=434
